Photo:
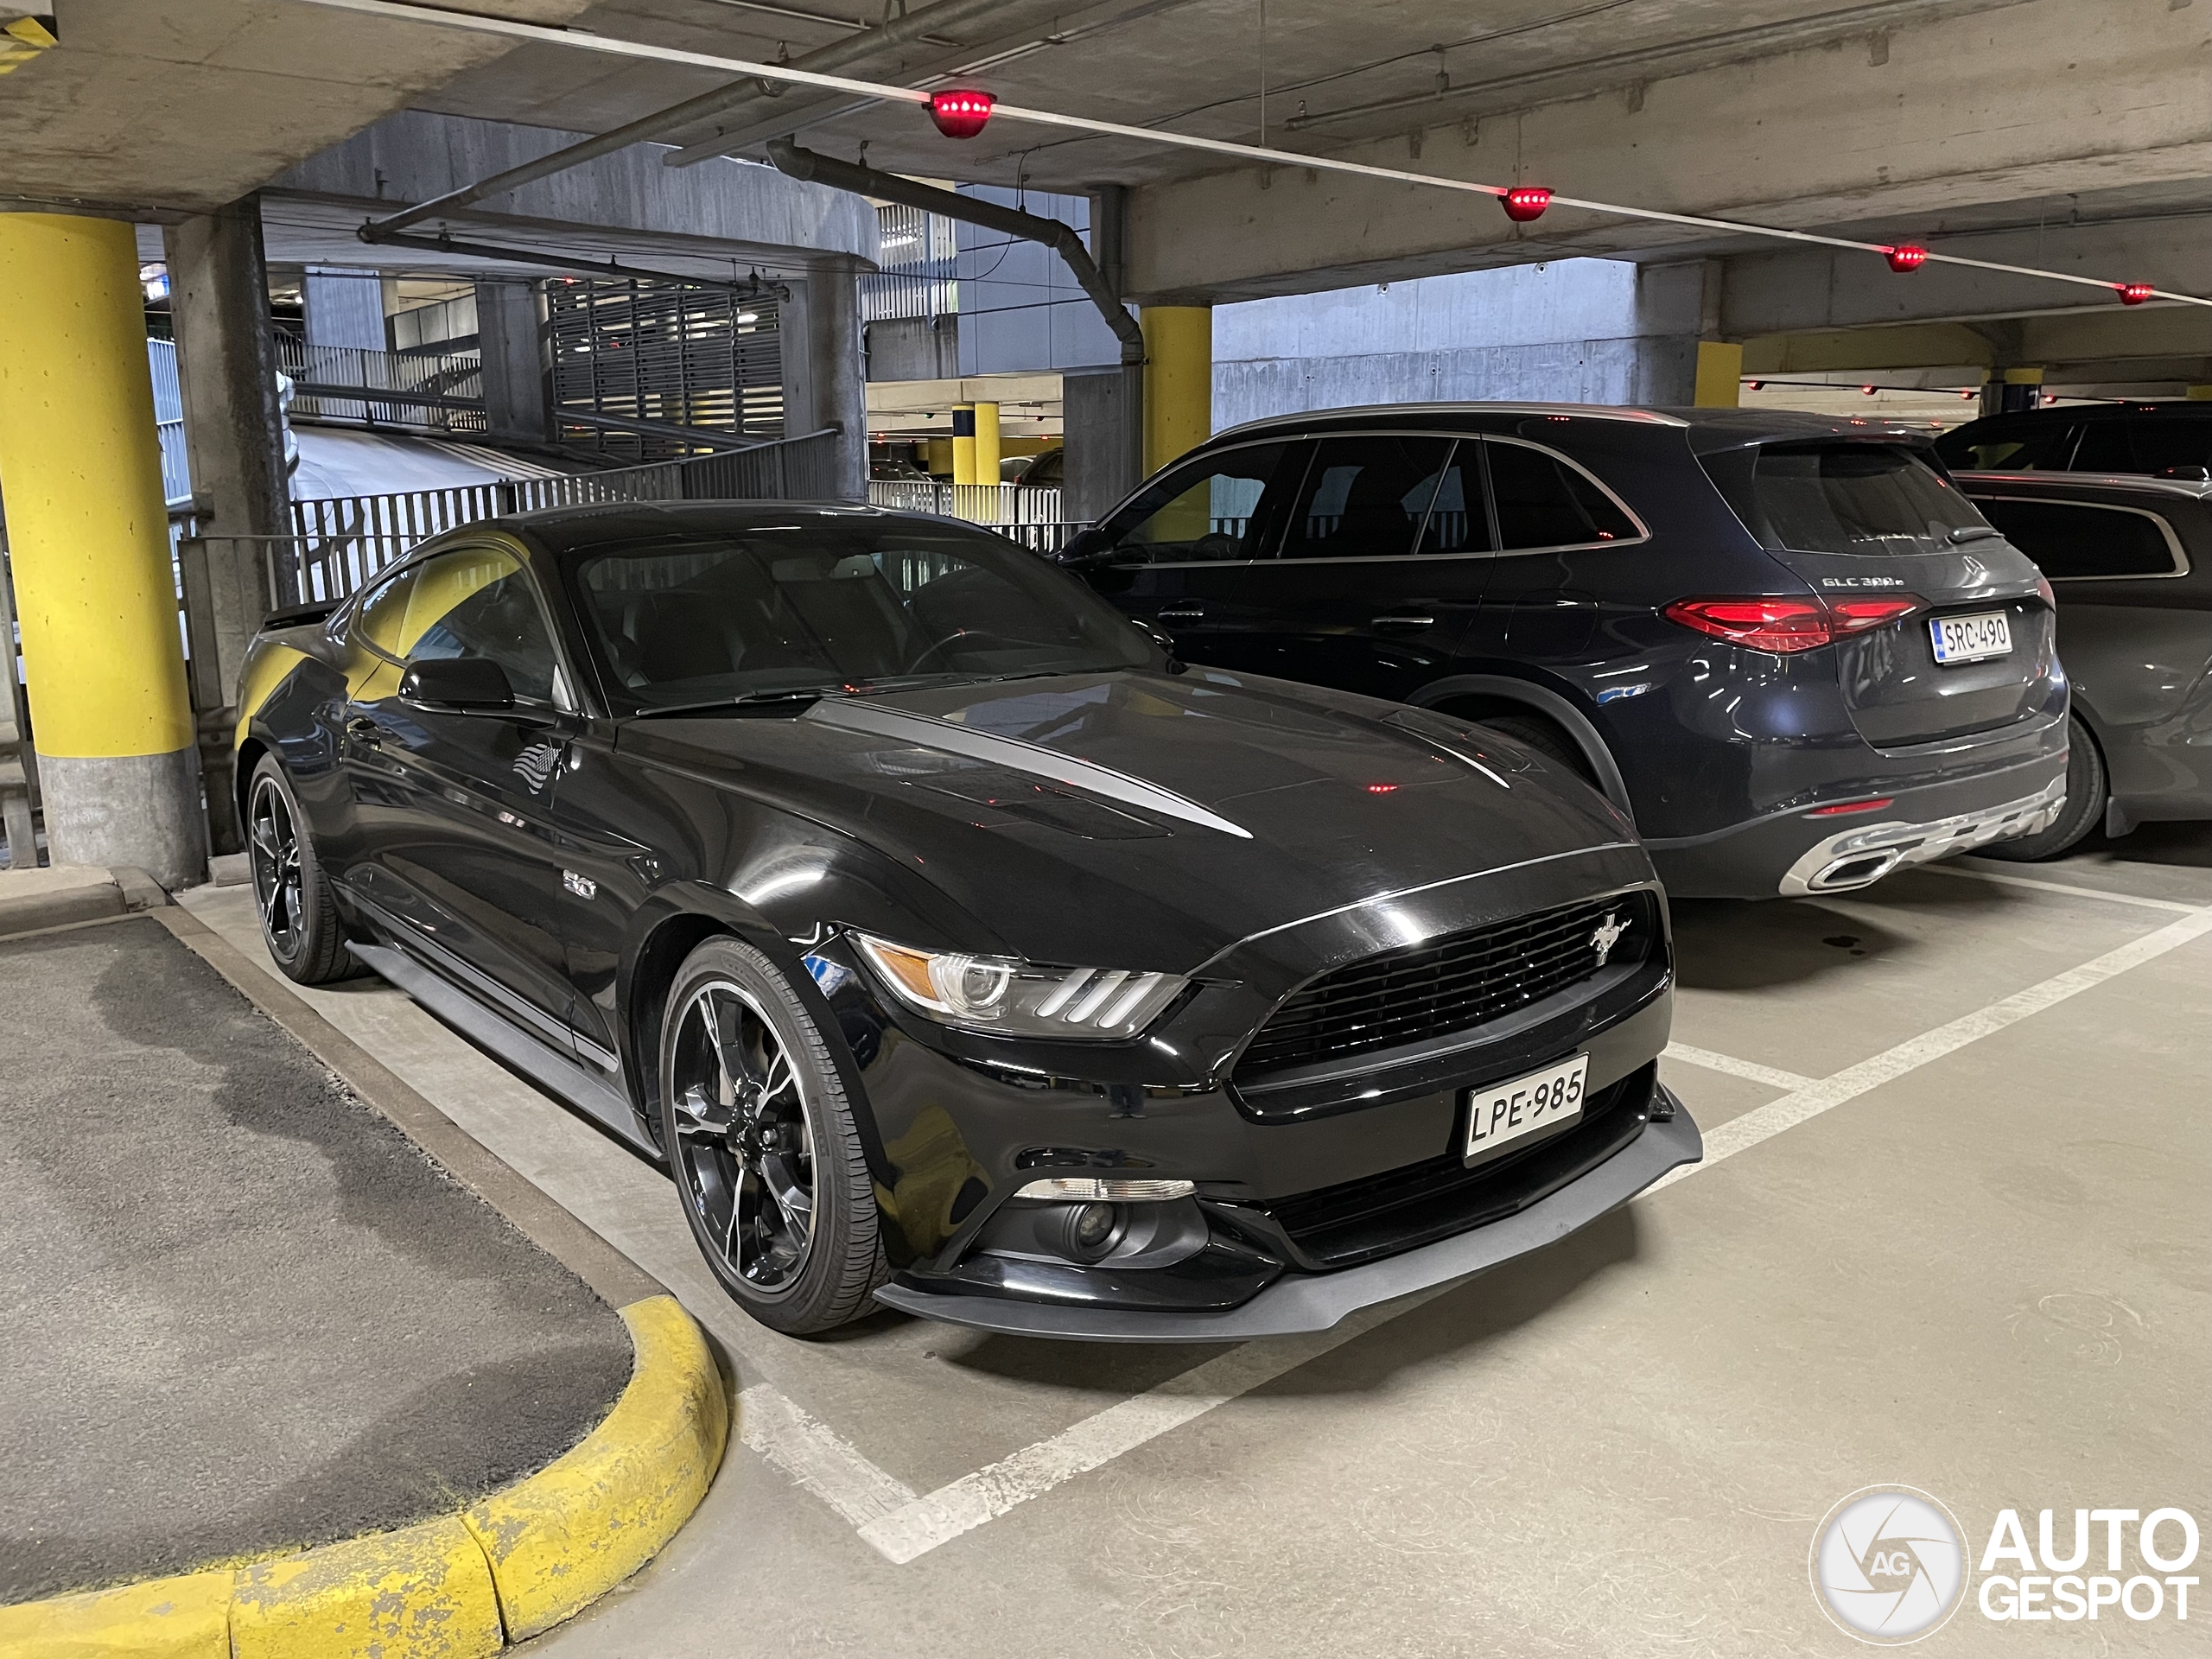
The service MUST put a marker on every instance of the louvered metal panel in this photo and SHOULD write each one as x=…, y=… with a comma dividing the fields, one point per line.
x=665, y=352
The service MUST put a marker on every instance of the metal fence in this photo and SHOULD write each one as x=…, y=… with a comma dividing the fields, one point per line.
x=341, y=542
x=981, y=504
x=433, y=392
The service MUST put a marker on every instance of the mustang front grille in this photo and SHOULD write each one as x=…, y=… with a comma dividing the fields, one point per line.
x=1451, y=984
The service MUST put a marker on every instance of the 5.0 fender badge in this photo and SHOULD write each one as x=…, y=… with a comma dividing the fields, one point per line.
x=584, y=888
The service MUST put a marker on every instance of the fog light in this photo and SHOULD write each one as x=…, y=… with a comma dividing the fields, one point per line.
x=1082, y=1232
x=1065, y=1189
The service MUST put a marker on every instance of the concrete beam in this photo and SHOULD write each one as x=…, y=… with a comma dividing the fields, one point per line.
x=2130, y=347
x=698, y=221
x=1789, y=290
x=2027, y=101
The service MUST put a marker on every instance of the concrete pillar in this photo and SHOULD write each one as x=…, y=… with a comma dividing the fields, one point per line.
x=963, y=443
x=233, y=429
x=511, y=331
x=1178, y=380
x=88, y=534
x=1719, y=374
x=987, y=443
x=2012, y=390
x=1102, y=414
x=824, y=374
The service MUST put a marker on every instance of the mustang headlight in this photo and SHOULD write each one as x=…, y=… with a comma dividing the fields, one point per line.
x=1021, y=999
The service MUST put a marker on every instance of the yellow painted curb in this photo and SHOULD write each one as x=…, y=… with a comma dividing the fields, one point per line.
x=184, y=1618
x=453, y=1588
x=570, y=1532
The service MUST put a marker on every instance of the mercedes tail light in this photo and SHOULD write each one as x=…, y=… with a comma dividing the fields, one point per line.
x=1862, y=615
x=1782, y=625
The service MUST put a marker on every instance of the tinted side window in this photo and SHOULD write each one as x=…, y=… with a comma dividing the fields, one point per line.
x=1364, y=498
x=1458, y=523
x=2105, y=448
x=2007, y=446
x=1208, y=510
x=478, y=603
x=379, y=618
x=1545, y=502
x=2163, y=444
x=2073, y=541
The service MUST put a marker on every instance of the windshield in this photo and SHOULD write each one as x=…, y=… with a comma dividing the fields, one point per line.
x=1853, y=498
x=844, y=604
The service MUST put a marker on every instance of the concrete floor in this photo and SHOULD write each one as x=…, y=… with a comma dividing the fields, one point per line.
x=1951, y=1233
x=242, y=1313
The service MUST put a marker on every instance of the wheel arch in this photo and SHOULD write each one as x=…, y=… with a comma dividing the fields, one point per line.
x=1502, y=692
x=671, y=926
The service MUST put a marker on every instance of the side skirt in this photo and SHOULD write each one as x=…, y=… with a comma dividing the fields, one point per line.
x=594, y=1096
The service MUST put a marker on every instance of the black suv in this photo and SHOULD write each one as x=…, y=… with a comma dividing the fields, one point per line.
x=1783, y=643
x=2168, y=440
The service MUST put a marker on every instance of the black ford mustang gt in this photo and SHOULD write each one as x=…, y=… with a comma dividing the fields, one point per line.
x=955, y=946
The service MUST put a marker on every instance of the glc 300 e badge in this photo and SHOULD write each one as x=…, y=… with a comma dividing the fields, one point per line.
x=1888, y=1565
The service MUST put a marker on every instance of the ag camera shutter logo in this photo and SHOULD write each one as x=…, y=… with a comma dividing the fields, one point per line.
x=1888, y=1566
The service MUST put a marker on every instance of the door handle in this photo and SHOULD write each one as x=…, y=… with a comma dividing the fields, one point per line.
x=1183, y=614
x=364, y=731
x=1402, y=622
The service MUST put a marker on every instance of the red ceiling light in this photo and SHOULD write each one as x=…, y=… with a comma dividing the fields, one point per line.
x=2133, y=293
x=1904, y=256
x=961, y=114
x=1866, y=392
x=1755, y=385
x=1524, y=202
x=1969, y=396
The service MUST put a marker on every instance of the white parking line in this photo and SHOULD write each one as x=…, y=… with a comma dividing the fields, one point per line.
x=818, y=1457
x=1728, y=1064
x=1975, y=872
x=1765, y=1122
x=915, y=1527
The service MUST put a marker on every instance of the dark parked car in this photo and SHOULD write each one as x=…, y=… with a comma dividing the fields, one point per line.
x=1785, y=644
x=2170, y=439
x=956, y=945
x=2131, y=561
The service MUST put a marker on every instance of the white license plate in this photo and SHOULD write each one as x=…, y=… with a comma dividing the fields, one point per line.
x=1971, y=639
x=1501, y=1113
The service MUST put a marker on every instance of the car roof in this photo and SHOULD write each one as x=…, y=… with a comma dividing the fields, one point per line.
x=569, y=529
x=1706, y=428
x=2058, y=483
x=2165, y=409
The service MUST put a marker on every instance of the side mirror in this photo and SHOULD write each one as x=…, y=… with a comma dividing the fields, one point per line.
x=460, y=685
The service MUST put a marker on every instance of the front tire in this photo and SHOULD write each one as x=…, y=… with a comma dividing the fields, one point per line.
x=763, y=1146
x=2085, y=804
x=299, y=918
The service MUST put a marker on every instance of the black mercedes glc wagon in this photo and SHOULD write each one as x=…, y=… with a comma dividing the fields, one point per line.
x=1785, y=644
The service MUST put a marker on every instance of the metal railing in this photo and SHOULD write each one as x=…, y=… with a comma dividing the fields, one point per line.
x=980, y=504
x=436, y=391
x=341, y=542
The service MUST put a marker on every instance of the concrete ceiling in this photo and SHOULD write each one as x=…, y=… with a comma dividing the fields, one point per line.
x=157, y=107
x=1334, y=72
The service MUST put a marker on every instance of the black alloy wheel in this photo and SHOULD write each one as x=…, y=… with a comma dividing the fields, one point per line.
x=2084, y=809
x=299, y=921
x=763, y=1146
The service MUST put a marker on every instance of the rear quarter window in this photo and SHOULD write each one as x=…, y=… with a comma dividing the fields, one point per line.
x=2072, y=540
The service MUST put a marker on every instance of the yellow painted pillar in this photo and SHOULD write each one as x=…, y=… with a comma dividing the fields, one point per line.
x=80, y=476
x=987, y=443
x=1178, y=381
x=2200, y=394
x=963, y=444
x=2014, y=389
x=1719, y=374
